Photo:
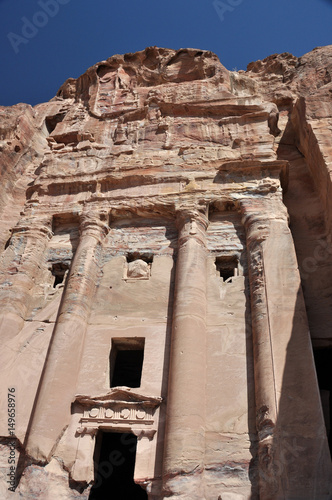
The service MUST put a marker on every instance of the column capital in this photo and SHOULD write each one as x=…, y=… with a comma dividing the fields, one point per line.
x=259, y=213
x=91, y=224
x=192, y=224
x=38, y=229
x=261, y=209
x=185, y=215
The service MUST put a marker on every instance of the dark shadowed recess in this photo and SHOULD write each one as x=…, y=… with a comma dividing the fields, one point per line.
x=114, y=459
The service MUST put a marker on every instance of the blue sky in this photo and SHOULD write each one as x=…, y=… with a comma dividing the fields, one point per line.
x=42, y=46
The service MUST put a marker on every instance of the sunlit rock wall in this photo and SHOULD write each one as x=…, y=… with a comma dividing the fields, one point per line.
x=165, y=207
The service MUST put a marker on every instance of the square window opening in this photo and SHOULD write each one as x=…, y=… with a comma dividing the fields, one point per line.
x=126, y=362
x=227, y=268
x=138, y=266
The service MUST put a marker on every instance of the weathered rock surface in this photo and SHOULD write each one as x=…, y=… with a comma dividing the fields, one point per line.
x=166, y=269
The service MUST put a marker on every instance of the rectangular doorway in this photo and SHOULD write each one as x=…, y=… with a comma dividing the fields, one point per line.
x=114, y=460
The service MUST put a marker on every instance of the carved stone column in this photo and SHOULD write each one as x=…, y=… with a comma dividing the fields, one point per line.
x=288, y=411
x=185, y=424
x=19, y=266
x=59, y=378
x=257, y=231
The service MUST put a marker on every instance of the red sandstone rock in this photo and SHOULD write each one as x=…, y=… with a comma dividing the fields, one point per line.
x=145, y=216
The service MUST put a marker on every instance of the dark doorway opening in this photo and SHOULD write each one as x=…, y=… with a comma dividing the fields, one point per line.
x=126, y=362
x=323, y=361
x=114, y=460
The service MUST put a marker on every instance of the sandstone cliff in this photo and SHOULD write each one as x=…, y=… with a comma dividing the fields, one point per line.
x=165, y=206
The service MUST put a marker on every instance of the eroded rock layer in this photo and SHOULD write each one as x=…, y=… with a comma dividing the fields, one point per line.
x=165, y=279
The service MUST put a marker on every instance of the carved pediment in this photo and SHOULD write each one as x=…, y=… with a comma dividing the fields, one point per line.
x=120, y=406
x=116, y=396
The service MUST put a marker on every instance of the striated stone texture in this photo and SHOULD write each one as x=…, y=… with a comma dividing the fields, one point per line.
x=165, y=207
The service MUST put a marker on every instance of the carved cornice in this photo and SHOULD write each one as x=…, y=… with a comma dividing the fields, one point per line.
x=281, y=167
x=118, y=396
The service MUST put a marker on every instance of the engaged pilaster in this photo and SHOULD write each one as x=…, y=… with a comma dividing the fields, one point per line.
x=19, y=267
x=288, y=410
x=185, y=425
x=257, y=232
x=58, y=382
